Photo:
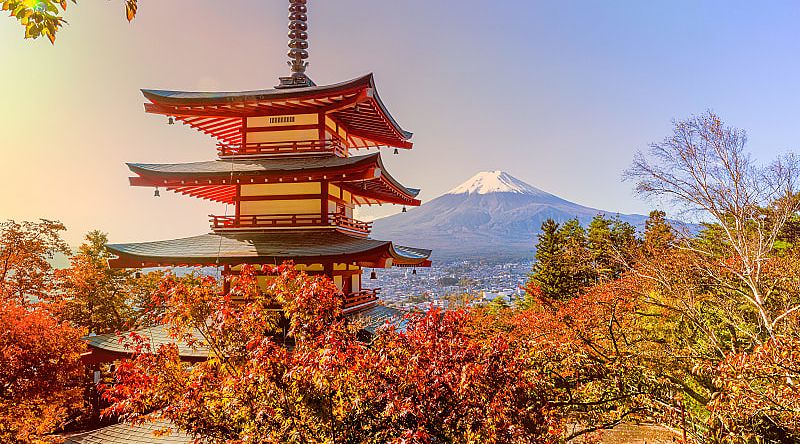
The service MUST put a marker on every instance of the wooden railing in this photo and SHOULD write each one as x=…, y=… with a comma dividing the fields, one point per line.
x=340, y=220
x=361, y=297
x=266, y=221
x=290, y=220
x=332, y=146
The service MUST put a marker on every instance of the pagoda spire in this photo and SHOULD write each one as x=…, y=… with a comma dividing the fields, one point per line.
x=298, y=46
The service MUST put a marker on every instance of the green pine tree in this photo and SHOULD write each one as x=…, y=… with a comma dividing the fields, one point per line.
x=601, y=248
x=576, y=258
x=658, y=233
x=548, y=271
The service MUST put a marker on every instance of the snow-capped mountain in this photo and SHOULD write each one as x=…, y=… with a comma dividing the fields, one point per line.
x=493, y=215
x=495, y=182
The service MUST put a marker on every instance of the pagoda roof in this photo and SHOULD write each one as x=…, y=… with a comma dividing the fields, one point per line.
x=355, y=104
x=363, y=176
x=147, y=432
x=272, y=247
x=110, y=347
x=379, y=316
x=115, y=345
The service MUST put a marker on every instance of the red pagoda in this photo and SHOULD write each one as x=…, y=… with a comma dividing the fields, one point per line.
x=286, y=166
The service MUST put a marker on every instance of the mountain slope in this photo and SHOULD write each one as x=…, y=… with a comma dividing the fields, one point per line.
x=492, y=216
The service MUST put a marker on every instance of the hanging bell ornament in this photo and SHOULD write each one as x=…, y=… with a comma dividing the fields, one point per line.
x=373, y=275
x=157, y=193
x=171, y=121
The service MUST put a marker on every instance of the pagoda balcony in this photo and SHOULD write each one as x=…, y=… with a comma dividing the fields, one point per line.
x=337, y=220
x=265, y=149
x=361, y=298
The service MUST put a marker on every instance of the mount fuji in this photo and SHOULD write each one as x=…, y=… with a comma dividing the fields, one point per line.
x=492, y=216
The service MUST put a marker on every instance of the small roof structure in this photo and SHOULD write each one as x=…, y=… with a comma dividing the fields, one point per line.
x=267, y=247
x=354, y=104
x=112, y=346
x=379, y=316
x=364, y=176
x=129, y=433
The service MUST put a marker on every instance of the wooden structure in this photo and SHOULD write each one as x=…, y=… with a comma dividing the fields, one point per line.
x=286, y=167
x=289, y=175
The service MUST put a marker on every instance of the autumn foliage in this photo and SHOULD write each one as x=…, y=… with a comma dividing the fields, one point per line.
x=40, y=372
x=698, y=330
x=311, y=377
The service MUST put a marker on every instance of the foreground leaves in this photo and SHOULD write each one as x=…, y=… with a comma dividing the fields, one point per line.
x=45, y=18
x=311, y=376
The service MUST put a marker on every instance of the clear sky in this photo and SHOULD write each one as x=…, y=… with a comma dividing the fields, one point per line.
x=560, y=94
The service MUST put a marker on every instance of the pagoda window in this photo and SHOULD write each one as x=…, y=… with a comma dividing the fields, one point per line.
x=335, y=191
x=331, y=124
x=337, y=280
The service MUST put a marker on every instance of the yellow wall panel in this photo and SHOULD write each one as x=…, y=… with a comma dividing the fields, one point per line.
x=333, y=190
x=279, y=189
x=282, y=136
x=299, y=206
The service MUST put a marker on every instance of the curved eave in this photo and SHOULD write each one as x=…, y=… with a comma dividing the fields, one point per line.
x=196, y=98
x=410, y=257
x=265, y=247
x=270, y=247
x=155, y=431
x=217, y=113
x=112, y=346
x=364, y=176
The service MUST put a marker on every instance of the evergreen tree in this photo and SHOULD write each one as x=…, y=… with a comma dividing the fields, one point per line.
x=576, y=258
x=601, y=247
x=563, y=264
x=658, y=233
x=548, y=272
x=625, y=244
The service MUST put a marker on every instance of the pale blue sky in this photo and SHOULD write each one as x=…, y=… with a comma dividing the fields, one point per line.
x=560, y=94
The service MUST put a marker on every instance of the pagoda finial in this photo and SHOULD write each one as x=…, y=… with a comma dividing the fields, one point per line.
x=298, y=46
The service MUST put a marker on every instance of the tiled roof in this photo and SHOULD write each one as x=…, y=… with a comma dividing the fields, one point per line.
x=373, y=318
x=187, y=176
x=236, y=167
x=155, y=336
x=259, y=247
x=378, y=316
x=126, y=433
x=225, y=103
